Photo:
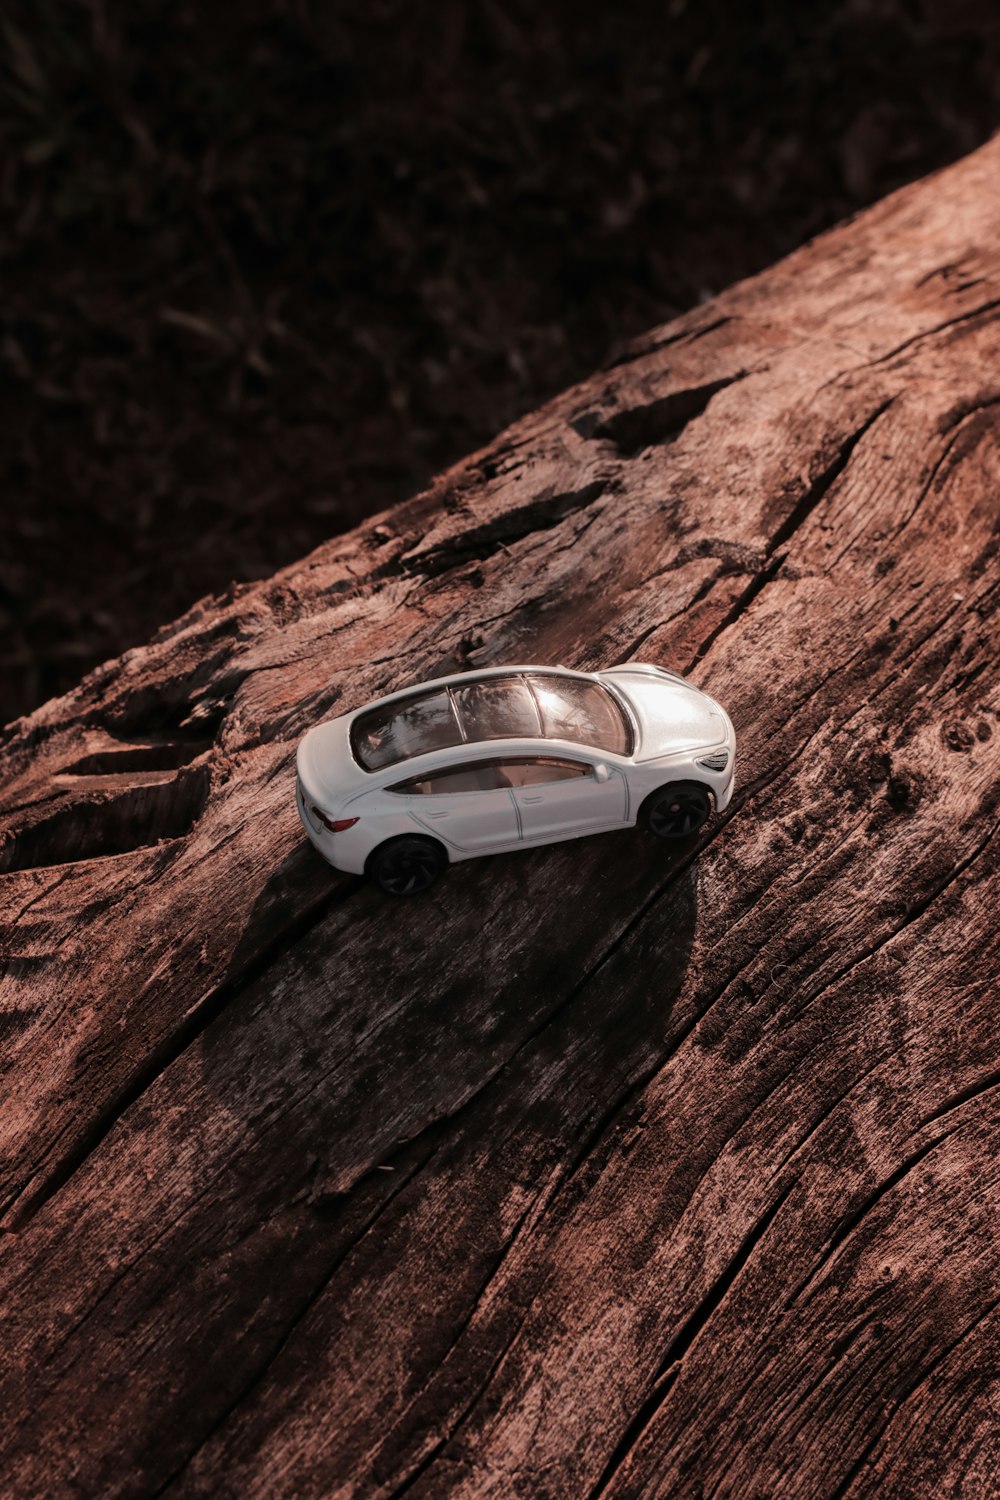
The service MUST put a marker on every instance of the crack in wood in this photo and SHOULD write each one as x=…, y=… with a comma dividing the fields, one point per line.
x=964, y=1096
x=929, y=333
x=436, y=1451
x=913, y=915
x=799, y=1399
x=697, y=597
x=260, y=1373
x=739, y=608
x=910, y=1387
x=481, y=542
x=830, y=1109
x=454, y=1427
x=667, y=1370
x=813, y=496
x=165, y=753
x=118, y=822
x=958, y=433
x=661, y=421
x=820, y=487
x=849, y=1221
x=20, y=1209
x=642, y=350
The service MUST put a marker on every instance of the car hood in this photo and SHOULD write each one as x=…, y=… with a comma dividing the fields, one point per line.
x=672, y=716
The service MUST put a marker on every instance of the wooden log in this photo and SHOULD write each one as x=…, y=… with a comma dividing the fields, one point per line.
x=601, y=1170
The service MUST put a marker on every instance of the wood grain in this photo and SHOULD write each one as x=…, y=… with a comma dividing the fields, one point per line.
x=603, y=1169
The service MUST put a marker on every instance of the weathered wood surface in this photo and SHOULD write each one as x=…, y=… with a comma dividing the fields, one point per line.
x=600, y=1170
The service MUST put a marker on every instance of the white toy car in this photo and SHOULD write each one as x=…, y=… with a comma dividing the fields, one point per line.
x=507, y=758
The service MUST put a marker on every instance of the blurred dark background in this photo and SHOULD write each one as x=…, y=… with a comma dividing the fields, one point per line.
x=267, y=267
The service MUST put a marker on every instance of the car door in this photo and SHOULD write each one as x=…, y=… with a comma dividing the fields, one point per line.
x=558, y=797
x=467, y=805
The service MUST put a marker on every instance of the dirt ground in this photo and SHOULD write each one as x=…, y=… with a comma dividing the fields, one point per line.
x=267, y=272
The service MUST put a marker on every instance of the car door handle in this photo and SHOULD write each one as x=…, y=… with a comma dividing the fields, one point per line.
x=442, y=814
x=538, y=798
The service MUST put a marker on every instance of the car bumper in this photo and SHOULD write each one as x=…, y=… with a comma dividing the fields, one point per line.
x=345, y=851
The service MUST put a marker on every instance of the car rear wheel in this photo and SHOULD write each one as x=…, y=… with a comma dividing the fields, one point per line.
x=676, y=810
x=406, y=866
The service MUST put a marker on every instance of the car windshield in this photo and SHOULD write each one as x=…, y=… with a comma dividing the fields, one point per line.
x=578, y=709
x=535, y=705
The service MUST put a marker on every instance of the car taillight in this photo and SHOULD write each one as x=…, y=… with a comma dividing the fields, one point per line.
x=335, y=825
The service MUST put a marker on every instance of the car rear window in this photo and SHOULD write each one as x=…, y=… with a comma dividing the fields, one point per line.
x=535, y=705
x=385, y=736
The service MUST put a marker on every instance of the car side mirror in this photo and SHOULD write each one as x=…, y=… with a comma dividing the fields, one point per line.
x=601, y=773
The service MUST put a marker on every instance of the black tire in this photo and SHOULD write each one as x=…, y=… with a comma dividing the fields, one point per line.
x=406, y=866
x=677, y=810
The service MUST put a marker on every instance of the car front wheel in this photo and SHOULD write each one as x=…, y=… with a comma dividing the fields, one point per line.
x=677, y=810
x=406, y=866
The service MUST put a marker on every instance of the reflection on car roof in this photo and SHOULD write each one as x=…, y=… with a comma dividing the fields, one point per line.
x=518, y=705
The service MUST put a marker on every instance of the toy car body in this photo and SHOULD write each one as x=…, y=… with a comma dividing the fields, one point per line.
x=508, y=758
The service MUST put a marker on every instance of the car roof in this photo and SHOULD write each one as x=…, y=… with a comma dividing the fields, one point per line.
x=464, y=678
x=392, y=704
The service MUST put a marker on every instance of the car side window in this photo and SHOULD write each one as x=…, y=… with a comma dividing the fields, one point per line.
x=542, y=770
x=474, y=776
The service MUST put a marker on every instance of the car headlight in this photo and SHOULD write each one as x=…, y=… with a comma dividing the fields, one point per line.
x=716, y=762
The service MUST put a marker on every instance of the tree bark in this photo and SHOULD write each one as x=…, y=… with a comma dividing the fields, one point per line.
x=601, y=1170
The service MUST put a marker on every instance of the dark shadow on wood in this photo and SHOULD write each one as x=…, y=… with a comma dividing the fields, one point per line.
x=394, y=1062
